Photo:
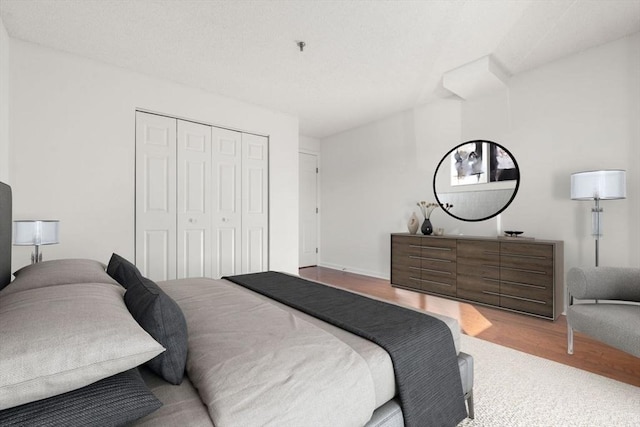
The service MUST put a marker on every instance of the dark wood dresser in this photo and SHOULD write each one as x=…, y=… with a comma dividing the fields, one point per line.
x=514, y=274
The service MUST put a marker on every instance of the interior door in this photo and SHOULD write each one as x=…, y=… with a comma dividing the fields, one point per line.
x=255, y=203
x=194, y=200
x=155, y=242
x=308, y=188
x=226, y=202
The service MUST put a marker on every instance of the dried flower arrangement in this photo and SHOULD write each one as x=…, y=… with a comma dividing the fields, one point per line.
x=427, y=208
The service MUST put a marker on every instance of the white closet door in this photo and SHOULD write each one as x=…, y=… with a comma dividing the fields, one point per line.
x=226, y=193
x=308, y=232
x=156, y=196
x=255, y=203
x=194, y=200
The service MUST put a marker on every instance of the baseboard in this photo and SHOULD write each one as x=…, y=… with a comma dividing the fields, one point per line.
x=354, y=270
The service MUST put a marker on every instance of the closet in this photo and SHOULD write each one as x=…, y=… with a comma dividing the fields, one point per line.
x=201, y=199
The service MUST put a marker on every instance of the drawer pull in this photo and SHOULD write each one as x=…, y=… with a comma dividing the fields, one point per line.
x=437, y=248
x=514, y=297
x=523, y=299
x=524, y=285
x=431, y=281
x=523, y=256
x=438, y=260
x=489, y=279
x=429, y=259
x=543, y=273
x=448, y=273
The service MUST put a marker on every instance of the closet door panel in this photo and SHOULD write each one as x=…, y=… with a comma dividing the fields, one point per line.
x=226, y=261
x=194, y=200
x=227, y=184
x=155, y=228
x=156, y=257
x=255, y=254
x=255, y=203
x=226, y=197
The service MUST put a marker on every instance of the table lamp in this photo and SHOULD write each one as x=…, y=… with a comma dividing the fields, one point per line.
x=36, y=233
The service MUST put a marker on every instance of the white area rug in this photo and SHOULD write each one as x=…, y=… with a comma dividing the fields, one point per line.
x=512, y=388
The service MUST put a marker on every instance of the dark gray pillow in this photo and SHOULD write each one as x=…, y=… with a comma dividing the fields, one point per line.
x=158, y=314
x=113, y=401
x=121, y=270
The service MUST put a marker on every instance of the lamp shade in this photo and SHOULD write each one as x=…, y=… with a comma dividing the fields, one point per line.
x=603, y=185
x=35, y=232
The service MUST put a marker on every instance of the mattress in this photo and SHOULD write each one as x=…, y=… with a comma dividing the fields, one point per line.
x=183, y=402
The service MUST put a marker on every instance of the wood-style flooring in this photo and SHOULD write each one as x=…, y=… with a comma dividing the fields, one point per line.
x=532, y=335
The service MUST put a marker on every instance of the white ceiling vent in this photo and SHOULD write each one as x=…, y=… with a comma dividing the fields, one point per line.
x=476, y=78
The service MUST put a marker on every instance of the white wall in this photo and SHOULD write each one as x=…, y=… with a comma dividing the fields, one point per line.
x=576, y=114
x=309, y=144
x=4, y=104
x=72, y=150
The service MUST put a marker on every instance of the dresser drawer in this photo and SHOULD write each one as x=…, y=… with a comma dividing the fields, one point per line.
x=483, y=270
x=439, y=283
x=538, y=277
x=519, y=303
x=480, y=289
x=474, y=252
x=526, y=255
x=404, y=246
x=439, y=249
x=533, y=292
x=405, y=278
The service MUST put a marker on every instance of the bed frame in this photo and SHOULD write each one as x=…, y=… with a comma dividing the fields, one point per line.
x=5, y=234
x=388, y=411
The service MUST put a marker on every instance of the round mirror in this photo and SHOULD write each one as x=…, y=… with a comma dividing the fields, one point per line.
x=476, y=180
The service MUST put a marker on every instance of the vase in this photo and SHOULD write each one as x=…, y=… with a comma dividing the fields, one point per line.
x=413, y=224
x=427, y=228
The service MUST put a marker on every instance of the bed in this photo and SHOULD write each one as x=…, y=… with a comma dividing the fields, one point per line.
x=87, y=343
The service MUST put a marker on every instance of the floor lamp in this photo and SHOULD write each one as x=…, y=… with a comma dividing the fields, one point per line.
x=598, y=185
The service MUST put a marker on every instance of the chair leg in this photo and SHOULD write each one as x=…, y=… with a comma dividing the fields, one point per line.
x=569, y=339
x=470, y=405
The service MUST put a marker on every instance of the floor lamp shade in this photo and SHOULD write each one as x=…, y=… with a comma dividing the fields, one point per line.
x=603, y=185
x=598, y=185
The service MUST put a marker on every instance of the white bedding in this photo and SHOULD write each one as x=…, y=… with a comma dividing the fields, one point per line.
x=255, y=363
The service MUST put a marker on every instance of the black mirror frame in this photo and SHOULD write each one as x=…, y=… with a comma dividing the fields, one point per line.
x=446, y=157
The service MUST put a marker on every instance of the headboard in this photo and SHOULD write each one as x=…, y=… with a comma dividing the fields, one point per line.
x=5, y=234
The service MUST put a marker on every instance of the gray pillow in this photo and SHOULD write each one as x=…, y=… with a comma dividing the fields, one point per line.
x=60, y=338
x=113, y=401
x=158, y=314
x=121, y=270
x=58, y=272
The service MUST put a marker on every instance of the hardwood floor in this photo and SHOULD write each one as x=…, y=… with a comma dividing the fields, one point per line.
x=528, y=334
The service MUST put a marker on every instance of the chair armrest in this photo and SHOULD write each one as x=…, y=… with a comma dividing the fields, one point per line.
x=608, y=283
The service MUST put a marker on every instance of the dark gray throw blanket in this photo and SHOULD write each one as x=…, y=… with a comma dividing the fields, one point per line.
x=421, y=346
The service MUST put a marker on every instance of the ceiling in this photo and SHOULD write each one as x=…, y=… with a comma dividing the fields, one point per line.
x=363, y=60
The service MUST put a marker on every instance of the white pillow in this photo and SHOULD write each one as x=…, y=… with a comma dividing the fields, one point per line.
x=60, y=338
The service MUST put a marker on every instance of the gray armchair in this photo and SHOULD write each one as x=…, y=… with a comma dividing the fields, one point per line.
x=611, y=313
